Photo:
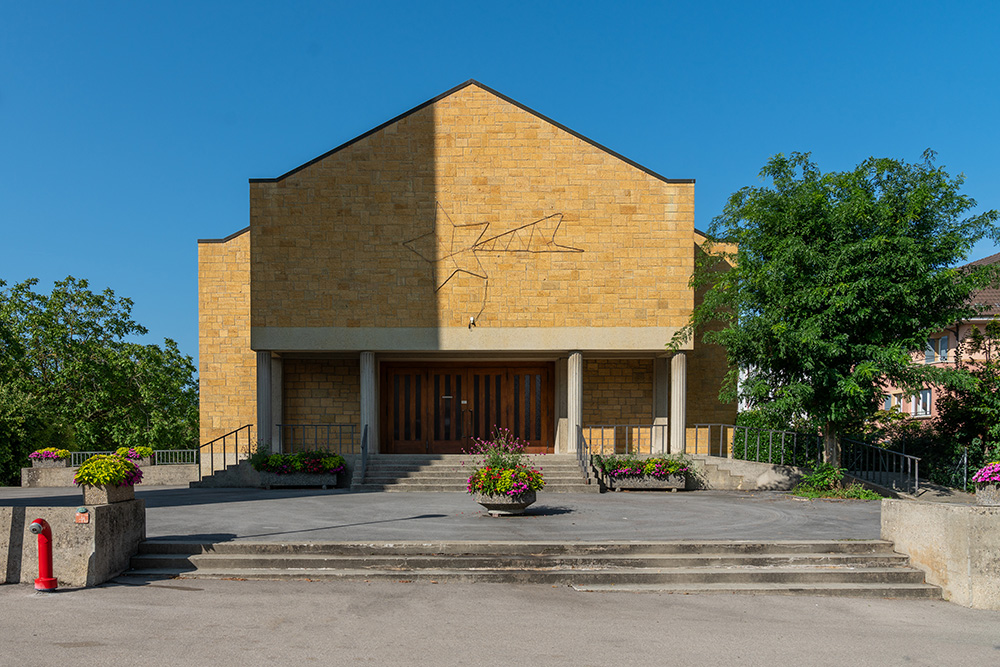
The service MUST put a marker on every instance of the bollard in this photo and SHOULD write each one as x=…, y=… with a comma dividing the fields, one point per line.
x=45, y=580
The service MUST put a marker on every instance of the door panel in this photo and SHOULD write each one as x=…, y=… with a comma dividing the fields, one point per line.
x=438, y=408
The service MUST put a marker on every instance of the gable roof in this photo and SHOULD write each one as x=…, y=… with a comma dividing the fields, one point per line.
x=473, y=82
x=990, y=295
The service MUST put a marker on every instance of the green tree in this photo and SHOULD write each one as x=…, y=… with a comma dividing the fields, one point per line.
x=72, y=375
x=836, y=280
x=969, y=411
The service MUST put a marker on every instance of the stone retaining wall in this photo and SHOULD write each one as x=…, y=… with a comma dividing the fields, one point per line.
x=957, y=546
x=83, y=554
x=163, y=475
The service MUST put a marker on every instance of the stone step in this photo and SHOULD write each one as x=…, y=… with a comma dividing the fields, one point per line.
x=828, y=589
x=432, y=487
x=790, y=548
x=400, y=562
x=818, y=567
x=791, y=577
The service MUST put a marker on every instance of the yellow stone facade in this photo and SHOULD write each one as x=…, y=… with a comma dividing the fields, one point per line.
x=398, y=228
x=226, y=365
x=470, y=218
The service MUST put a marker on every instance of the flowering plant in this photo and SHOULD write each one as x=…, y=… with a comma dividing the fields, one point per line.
x=501, y=469
x=108, y=470
x=631, y=466
x=49, y=453
x=988, y=474
x=135, y=453
x=312, y=462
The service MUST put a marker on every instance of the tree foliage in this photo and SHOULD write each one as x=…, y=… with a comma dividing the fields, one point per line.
x=836, y=280
x=72, y=376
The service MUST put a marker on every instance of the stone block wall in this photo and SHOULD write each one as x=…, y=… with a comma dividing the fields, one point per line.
x=321, y=391
x=398, y=228
x=617, y=391
x=227, y=367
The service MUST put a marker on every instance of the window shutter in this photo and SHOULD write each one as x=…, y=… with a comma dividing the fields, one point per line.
x=929, y=352
x=943, y=348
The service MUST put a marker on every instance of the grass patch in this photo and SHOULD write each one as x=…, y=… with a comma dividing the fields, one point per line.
x=852, y=492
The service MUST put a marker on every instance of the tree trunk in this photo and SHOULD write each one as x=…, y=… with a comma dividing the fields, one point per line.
x=831, y=445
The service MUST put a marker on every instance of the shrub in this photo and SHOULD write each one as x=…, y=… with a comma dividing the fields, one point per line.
x=309, y=462
x=49, y=453
x=135, y=453
x=108, y=470
x=631, y=466
x=501, y=469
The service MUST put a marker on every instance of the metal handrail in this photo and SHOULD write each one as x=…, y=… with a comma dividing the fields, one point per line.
x=235, y=434
x=763, y=445
x=77, y=458
x=583, y=454
x=161, y=457
x=881, y=466
x=363, y=463
x=338, y=438
x=629, y=438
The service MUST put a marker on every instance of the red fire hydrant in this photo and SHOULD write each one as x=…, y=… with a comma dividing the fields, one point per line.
x=45, y=580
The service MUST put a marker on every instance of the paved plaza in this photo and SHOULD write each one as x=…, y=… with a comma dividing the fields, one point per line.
x=299, y=515
x=228, y=622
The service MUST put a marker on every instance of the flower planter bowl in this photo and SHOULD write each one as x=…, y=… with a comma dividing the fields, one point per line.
x=49, y=463
x=506, y=505
x=104, y=495
x=988, y=495
x=270, y=479
x=670, y=482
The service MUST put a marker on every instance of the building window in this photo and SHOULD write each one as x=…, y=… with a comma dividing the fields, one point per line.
x=943, y=348
x=929, y=351
x=888, y=403
x=921, y=406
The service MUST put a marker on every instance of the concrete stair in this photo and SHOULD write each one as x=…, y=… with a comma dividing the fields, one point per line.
x=860, y=568
x=449, y=472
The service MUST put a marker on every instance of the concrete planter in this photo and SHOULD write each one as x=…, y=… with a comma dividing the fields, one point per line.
x=143, y=463
x=50, y=463
x=988, y=495
x=506, y=505
x=103, y=495
x=270, y=479
x=671, y=482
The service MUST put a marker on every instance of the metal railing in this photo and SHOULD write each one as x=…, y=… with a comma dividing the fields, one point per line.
x=363, y=459
x=161, y=457
x=175, y=457
x=757, y=444
x=77, y=458
x=227, y=442
x=627, y=438
x=335, y=438
x=583, y=454
x=878, y=465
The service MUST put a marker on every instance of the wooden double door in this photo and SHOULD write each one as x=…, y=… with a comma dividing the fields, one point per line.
x=438, y=408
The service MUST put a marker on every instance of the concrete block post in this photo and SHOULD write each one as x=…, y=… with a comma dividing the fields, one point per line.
x=661, y=404
x=678, y=403
x=264, y=421
x=277, y=410
x=574, y=398
x=369, y=400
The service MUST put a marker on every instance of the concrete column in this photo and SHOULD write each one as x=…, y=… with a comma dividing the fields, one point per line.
x=661, y=404
x=277, y=406
x=369, y=400
x=264, y=421
x=574, y=397
x=562, y=435
x=678, y=403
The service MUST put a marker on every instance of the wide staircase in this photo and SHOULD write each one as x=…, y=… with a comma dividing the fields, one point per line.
x=857, y=568
x=449, y=472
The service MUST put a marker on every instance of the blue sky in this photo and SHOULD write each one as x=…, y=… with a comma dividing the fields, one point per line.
x=129, y=130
